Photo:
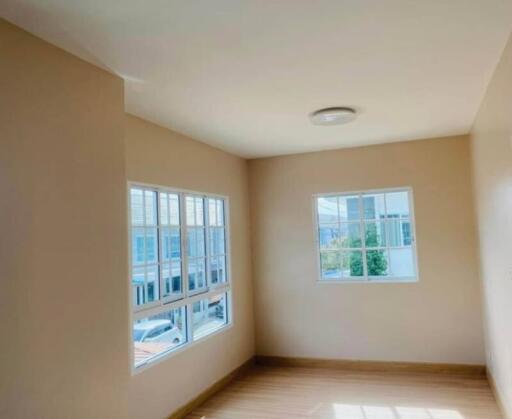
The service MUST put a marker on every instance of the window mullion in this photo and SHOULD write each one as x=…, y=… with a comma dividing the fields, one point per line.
x=340, y=250
x=227, y=243
x=184, y=244
x=363, y=237
x=159, y=247
x=206, y=205
x=401, y=236
x=146, y=296
x=387, y=234
x=189, y=321
x=226, y=311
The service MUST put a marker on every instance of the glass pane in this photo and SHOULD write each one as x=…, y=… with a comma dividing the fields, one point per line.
x=199, y=211
x=349, y=208
x=200, y=273
x=176, y=276
x=151, y=245
x=375, y=234
x=209, y=315
x=195, y=212
x=407, y=235
x=327, y=207
x=137, y=206
x=329, y=236
x=139, y=296
x=217, y=241
x=218, y=269
x=196, y=274
x=174, y=209
x=155, y=335
x=171, y=243
x=175, y=243
x=402, y=263
x=150, y=200
x=164, y=208
x=394, y=233
x=192, y=283
x=212, y=211
x=377, y=261
x=399, y=233
x=374, y=207
x=352, y=264
x=350, y=235
x=196, y=242
x=152, y=283
x=330, y=263
x=214, y=272
x=171, y=274
x=166, y=278
x=190, y=209
x=138, y=248
x=221, y=260
x=220, y=212
x=397, y=204
x=165, y=237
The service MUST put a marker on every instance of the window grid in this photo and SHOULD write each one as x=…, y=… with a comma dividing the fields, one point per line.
x=206, y=243
x=386, y=222
x=386, y=230
x=167, y=229
x=196, y=228
x=217, y=228
x=362, y=235
x=158, y=223
x=145, y=265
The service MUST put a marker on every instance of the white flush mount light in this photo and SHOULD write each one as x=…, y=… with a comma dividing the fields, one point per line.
x=333, y=116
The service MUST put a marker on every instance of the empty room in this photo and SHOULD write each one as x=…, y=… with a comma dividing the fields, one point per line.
x=256, y=209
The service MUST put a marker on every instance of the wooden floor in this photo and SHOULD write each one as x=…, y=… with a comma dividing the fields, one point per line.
x=287, y=392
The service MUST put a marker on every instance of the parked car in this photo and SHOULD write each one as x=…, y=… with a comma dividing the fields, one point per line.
x=156, y=331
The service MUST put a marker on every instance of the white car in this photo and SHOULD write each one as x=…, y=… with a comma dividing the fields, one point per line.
x=156, y=331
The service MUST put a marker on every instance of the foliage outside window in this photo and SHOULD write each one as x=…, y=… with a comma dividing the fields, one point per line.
x=366, y=236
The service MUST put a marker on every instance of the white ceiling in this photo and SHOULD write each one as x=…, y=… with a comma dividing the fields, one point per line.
x=244, y=75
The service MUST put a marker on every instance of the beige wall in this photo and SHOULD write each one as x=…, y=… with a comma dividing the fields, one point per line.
x=63, y=259
x=437, y=319
x=158, y=156
x=492, y=173
x=64, y=305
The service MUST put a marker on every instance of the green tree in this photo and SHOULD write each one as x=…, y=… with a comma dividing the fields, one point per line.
x=376, y=260
x=377, y=263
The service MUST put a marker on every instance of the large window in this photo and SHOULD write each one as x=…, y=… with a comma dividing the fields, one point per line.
x=179, y=269
x=366, y=236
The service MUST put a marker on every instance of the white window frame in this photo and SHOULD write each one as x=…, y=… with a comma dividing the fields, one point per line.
x=186, y=298
x=367, y=279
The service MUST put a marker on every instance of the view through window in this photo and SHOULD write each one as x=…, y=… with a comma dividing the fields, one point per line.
x=179, y=276
x=366, y=236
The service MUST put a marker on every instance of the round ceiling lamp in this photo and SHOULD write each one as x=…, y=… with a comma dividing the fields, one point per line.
x=333, y=116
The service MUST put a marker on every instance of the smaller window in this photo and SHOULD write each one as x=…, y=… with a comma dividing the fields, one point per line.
x=366, y=236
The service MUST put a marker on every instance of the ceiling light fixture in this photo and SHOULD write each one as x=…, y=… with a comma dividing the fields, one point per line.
x=333, y=116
